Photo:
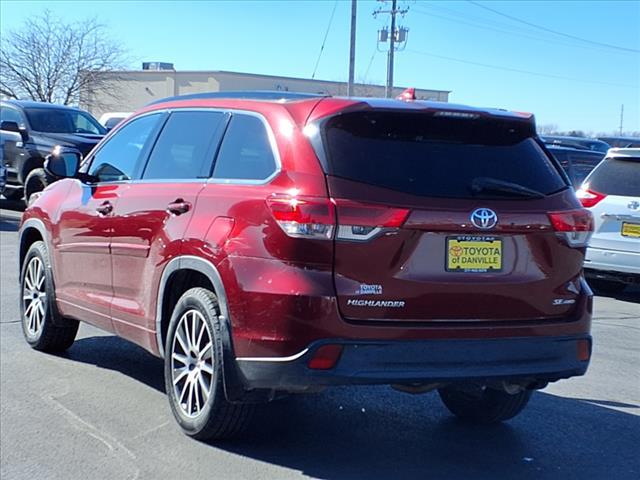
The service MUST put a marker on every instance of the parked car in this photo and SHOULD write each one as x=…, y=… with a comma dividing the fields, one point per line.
x=577, y=163
x=576, y=142
x=612, y=193
x=274, y=243
x=622, y=142
x=111, y=119
x=3, y=169
x=30, y=131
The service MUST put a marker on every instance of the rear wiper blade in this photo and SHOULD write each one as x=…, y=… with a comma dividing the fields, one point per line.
x=488, y=184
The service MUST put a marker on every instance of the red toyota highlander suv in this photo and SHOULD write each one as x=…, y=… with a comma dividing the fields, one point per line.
x=266, y=243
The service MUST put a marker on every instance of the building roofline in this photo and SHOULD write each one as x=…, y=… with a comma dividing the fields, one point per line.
x=334, y=82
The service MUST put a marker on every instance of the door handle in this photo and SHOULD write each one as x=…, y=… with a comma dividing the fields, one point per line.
x=105, y=209
x=178, y=207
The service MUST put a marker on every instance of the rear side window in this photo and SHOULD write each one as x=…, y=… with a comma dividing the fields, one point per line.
x=616, y=177
x=437, y=156
x=186, y=146
x=245, y=153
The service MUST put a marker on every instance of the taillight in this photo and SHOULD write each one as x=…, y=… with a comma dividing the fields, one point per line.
x=359, y=221
x=575, y=226
x=315, y=217
x=303, y=217
x=589, y=198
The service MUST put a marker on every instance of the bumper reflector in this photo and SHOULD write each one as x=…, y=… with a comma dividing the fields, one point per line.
x=325, y=357
x=583, y=350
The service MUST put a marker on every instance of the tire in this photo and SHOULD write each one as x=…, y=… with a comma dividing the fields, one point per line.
x=484, y=406
x=606, y=286
x=36, y=181
x=43, y=327
x=193, y=373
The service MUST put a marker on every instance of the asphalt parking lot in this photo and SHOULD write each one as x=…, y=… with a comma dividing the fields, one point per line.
x=99, y=412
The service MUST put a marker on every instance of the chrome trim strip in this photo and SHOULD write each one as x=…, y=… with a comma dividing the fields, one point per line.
x=273, y=359
x=217, y=181
x=622, y=216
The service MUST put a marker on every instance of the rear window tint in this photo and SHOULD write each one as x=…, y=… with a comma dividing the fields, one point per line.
x=577, y=164
x=616, y=177
x=427, y=155
x=245, y=153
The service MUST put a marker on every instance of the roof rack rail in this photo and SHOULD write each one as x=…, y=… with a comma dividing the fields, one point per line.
x=273, y=95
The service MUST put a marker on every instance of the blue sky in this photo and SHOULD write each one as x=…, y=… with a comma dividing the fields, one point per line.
x=570, y=83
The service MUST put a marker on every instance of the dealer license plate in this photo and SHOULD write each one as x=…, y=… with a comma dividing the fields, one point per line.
x=474, y=254
x=630, y=229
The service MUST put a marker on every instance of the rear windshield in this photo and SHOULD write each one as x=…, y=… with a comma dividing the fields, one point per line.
x=437, y=156
x=616, y=177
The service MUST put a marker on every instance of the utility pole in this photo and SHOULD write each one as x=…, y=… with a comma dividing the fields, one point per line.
x=395, y=36
x=389, y=90
x=621, y=117
x=352, y=49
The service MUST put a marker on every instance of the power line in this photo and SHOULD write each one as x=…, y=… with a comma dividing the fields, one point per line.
x=476, y=24
x=326, y=34
x=555, y=32
x=366, y=73
x=516, y=70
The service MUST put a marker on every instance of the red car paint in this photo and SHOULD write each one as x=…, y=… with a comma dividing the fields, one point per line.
x=284, y=293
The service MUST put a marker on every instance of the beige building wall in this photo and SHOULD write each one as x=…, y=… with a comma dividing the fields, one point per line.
x=128, y=91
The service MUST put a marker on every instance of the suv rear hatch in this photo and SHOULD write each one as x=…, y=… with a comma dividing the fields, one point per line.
x=612, y=192
x=444, y=216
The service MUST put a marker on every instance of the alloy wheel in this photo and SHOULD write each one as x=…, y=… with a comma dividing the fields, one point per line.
x=34, y=297
x=192, y=363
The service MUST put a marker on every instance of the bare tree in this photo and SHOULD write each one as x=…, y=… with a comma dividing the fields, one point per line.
x=50, y=60
x=547, y=129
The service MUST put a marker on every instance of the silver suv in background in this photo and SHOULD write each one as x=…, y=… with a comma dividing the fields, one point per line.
x=612, y=193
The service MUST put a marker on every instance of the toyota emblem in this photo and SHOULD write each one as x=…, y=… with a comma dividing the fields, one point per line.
x=484, y=218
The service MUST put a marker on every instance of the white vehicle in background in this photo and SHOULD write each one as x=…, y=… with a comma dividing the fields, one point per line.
x=612, y=193
x=111, y=119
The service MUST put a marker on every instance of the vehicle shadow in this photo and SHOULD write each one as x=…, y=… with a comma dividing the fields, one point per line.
x=115, y=353
x=15, y=205
x=8, y=224
x=376, y=432
x=401, y=436
x=630, y=294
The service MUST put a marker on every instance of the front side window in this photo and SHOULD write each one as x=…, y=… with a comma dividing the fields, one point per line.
x=245, y=153
x=51, y=120
x=118, y=158
x=186, y=146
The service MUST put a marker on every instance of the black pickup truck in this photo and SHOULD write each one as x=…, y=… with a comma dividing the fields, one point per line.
x=29, y=132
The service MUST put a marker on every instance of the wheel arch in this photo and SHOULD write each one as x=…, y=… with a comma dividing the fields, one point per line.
x=187, y=268
x=31, y=231
x=193, y=268
x=33, y=162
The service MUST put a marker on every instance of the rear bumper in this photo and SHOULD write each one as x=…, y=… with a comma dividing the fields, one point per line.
x=619, y=261
x=540, y=359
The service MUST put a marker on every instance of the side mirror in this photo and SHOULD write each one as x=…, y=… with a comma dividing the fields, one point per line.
x=62, y=163
x=14, y=127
